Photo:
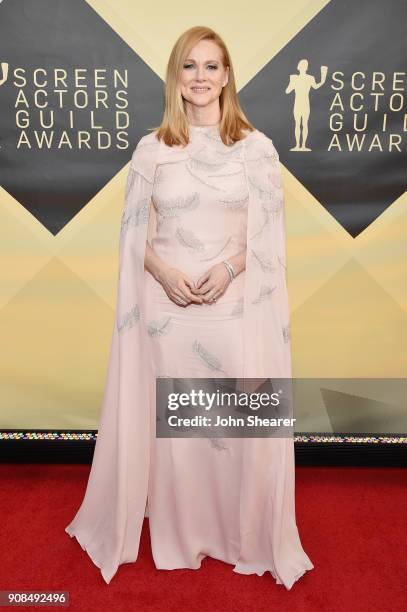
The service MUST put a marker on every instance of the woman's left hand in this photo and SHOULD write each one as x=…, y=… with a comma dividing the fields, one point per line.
x=213, y=283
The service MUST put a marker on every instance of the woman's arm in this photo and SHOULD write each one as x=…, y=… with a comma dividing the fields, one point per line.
x=238, y=261
x=216, y=280
x=178, y=286
x=154, y=264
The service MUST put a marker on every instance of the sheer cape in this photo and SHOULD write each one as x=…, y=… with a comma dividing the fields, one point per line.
x=109, y=521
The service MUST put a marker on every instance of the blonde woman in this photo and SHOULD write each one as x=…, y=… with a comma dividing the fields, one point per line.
x=201, y=293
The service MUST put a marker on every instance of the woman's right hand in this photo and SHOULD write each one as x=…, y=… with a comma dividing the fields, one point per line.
x=178, y=286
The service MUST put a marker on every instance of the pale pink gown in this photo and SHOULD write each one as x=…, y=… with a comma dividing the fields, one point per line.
x=195, y=484
x=228, y=498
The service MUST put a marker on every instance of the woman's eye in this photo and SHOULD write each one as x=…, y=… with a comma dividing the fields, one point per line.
x=211, y=66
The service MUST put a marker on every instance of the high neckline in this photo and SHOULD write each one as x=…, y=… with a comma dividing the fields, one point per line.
x=202, y=128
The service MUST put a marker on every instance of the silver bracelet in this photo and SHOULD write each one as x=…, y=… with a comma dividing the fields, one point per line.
x=230, y=269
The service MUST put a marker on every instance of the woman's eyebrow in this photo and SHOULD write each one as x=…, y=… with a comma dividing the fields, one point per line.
x=207, y=61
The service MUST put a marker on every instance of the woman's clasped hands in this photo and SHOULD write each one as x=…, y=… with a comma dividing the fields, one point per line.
x=209, y=287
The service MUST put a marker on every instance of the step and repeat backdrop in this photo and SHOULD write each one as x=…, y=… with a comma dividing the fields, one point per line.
x=82, y=81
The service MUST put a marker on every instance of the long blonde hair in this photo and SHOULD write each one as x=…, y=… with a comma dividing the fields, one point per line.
x=174, y=126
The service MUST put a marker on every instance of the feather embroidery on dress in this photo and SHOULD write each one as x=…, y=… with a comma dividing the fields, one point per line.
x=263, y=192
x=129, y=318
x=188, y=239
x=265, y=293
x=131, y=177
x=238, y=309
x=174, y=207
x=218, y=443
x=213, y=135
x=133, y=217
x=210, y=360
x=201, y=180
x=200, y=164
x=275, y=178
x=286, y=333
x=218, y=252
x=232, y=150
x=235, y=204
x=273, y=206
x=235, y=173
x=273, y=155
x=260, y=231
x=155, y=329
x=265, y=264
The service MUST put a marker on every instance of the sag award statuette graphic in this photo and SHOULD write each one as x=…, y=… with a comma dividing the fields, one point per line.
x=301, y=84
x=3, y=71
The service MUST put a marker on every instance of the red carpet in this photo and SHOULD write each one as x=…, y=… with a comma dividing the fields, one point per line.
x=352, y=523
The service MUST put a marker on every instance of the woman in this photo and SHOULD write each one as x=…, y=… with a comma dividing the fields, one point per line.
x=202, y=293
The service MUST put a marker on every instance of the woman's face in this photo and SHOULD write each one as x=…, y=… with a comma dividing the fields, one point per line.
x=203, y=75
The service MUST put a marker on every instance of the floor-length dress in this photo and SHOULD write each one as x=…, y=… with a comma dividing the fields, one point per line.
x=228, y=498
x=200, y=207
x=194, y=482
